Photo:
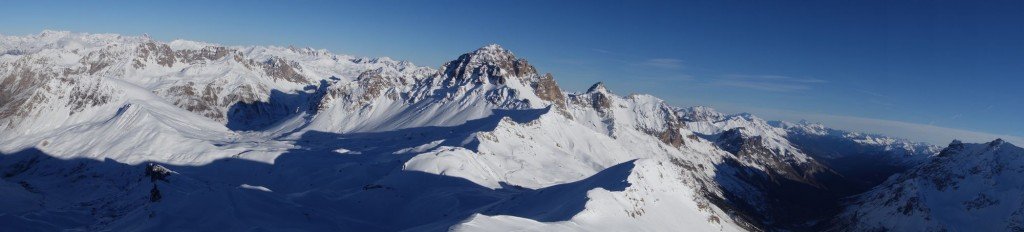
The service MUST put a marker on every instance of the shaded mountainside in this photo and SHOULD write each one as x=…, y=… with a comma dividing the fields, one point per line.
x=111, y=132
x=966, y=187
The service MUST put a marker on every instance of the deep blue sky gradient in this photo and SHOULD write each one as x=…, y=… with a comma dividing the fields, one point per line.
x=952, y=64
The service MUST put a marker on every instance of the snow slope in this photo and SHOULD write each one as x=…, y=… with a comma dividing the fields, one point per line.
x=966, y=187
x=189, y=135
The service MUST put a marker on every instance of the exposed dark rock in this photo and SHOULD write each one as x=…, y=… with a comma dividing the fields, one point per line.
x=203, y=102
x=281, y=69
x=491, y=64
x=202, y=55
x=162, y=53
x=547, y=89
x=26, y=89
x=156, y=172
x=671, y=136
x=154, y=194
x=18, y=90
x=599, y=98
x=980, y=202
x=83, y=96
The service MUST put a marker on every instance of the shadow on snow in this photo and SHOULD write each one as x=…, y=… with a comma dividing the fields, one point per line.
x=281, y=106
x=310, y=187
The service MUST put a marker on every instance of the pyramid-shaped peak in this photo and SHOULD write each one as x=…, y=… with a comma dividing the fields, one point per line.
x=492, y=60
x=492, y=47
x=492, y=52
x=597, y=88
x=997, y=142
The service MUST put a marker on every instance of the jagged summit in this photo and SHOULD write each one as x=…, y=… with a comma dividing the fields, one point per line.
x=598, y=88
x=492, y=48
x=491, y=60
x=497, y=74
x=491, y=53
x=997, y=142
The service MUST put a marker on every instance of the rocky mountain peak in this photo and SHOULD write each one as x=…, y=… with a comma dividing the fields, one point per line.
x=597, y=88
x=491, y=53
x=503, y=71
x=489, y=64
x=997, y=142
x=598, y=97
x=492, y=48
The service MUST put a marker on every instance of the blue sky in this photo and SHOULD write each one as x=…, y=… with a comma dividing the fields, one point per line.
x=915, y=69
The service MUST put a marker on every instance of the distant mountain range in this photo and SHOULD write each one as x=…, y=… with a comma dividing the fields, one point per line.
x=111, y=132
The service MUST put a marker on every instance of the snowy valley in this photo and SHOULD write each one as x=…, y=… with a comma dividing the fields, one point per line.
x=106, y=132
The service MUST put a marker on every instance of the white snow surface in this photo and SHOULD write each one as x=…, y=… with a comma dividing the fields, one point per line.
x=967, y=187
x=334, y=142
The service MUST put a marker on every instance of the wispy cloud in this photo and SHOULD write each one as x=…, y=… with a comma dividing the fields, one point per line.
x=871, y=93
x=663, y=78
x=665, y=63
x=571, y=61
x=634, y=60
x=602, y=51
x=876, y=98
x=881, y=103
x=774, y=83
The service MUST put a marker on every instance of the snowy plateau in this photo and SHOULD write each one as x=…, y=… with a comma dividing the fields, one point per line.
x=106, y=132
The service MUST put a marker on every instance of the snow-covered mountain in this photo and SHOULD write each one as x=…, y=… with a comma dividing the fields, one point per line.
x=111, y=132
x=966, y=187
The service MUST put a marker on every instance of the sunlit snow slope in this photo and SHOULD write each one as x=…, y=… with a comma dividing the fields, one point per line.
x=112, y=132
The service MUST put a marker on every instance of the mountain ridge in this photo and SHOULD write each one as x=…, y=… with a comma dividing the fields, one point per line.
x=486, y=128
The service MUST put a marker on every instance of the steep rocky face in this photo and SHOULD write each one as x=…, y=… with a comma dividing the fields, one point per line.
x=161, y=53
x=493, y=72
x=19, y=89
x=32, y=84
x=282, y=69
x=202, y=100
x=753, y=148
x=209, y=53
x=546, y=89
x=369, y=86
x=597, y=97
x=659, y=119
x=672, y=135
x=490, y=64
